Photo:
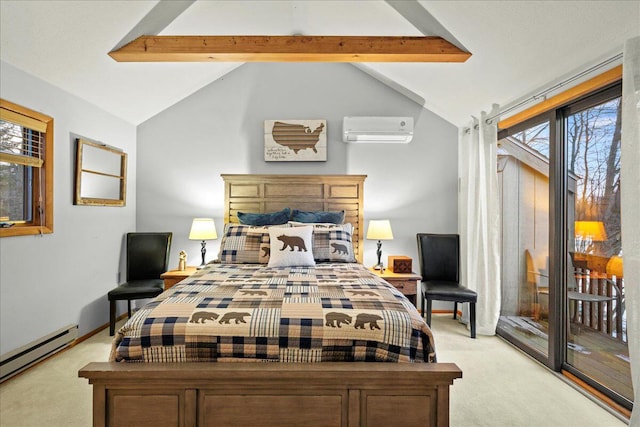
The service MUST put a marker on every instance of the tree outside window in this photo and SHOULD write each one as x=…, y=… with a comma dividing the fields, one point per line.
x=26, y=171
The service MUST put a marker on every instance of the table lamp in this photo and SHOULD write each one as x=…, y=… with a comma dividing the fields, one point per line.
x=203, y=229
x=379, y=230
x=587, y=232
x=615, y=266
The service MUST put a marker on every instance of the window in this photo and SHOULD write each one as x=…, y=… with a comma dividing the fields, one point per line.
x=523, y=170
x=535, y=137
x=563, y=286
x=26, y=171
x=597, y=345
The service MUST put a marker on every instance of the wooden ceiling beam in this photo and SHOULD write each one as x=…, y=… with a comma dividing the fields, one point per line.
x=289, y=49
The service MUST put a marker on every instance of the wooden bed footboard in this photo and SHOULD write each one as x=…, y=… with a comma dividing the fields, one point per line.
x=270, y=394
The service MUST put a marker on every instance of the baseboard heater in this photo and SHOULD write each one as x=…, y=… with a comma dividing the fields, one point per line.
x=20, y=359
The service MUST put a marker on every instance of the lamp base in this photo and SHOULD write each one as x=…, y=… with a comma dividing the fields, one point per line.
x=379, y=267
x=203, y=250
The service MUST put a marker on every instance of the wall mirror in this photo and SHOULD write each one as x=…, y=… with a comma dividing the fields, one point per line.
x=101, y=174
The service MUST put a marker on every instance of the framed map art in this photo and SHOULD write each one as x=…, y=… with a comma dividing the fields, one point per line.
x=295, y=140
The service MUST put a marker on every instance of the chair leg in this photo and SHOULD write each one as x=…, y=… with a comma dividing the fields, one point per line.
x=455, y=310
x=129, y=307
x=112, y=317
x=472, y=318
x=428, y=312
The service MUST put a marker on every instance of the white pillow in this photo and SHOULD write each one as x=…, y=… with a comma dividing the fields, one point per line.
x=291, y=246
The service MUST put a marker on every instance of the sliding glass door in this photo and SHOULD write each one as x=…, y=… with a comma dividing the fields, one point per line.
x=562, y=266
x=596, y=346
x=523, y=175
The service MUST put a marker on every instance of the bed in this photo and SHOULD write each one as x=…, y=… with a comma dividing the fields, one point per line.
x=353, y=385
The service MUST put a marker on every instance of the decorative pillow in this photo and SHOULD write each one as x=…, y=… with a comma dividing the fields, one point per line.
x=292, y=246
x=245, y=244
x=273, y=218
x=331, y=242
x=319, y=216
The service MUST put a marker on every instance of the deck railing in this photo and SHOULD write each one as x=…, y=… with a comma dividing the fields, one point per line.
x=601, y=304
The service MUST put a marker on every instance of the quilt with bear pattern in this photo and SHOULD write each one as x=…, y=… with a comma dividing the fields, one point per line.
x=331, y=312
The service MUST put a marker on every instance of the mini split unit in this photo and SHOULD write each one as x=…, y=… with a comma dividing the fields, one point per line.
x=395, y=130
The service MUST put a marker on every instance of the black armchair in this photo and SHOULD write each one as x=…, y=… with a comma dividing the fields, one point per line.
x=439, y=256
x=147, y=259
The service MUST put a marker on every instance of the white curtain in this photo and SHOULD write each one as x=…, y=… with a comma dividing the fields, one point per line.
x=630, y=204
x=479, y=221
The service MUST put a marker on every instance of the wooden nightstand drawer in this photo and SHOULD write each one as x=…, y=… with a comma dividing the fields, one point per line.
x=172, y=277
x=407, y=283
x=407, y=287
x=168, y=283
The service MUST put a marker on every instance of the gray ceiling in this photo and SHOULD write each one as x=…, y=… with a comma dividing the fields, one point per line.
x=517, y=46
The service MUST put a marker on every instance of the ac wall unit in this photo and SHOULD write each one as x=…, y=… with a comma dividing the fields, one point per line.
x=398, y=130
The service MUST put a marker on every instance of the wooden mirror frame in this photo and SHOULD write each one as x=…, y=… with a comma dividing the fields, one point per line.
x=121, y=176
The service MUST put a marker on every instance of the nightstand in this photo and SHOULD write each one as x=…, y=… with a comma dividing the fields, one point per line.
x=172, y=277
x=407, y=283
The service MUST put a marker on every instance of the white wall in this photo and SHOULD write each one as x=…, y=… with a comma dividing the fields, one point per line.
x=58, y=279
x=183, y=150
x=50, y=281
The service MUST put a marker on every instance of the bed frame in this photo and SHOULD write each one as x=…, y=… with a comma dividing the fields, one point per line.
x=276, y=394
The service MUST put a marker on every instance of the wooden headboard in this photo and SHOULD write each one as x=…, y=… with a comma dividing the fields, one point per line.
x=270, y=193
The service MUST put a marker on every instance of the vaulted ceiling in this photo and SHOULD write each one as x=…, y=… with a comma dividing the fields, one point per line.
x=517, y=46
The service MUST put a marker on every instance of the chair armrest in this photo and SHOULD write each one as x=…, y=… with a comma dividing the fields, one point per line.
x=615, y=286
x=538, y=274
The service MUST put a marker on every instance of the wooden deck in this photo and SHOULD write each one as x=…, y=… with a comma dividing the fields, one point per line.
x=601, y=357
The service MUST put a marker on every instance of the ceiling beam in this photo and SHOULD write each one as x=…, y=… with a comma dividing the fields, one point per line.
x=289, y=49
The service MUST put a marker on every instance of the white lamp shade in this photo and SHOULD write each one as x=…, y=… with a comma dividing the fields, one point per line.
x=379, y=230
x=203, y=229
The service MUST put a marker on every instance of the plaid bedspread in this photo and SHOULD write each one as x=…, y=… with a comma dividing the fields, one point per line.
x=243, y=312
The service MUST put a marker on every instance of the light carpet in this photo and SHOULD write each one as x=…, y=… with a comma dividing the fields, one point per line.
x=500, y=387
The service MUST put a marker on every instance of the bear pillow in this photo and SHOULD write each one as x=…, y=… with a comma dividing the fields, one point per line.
x=291, y=247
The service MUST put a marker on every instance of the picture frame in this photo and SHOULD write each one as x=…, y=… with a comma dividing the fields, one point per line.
x=101, y=174
x=295, y=140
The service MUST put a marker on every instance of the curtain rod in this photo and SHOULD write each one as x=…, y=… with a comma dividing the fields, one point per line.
x=557, y=86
